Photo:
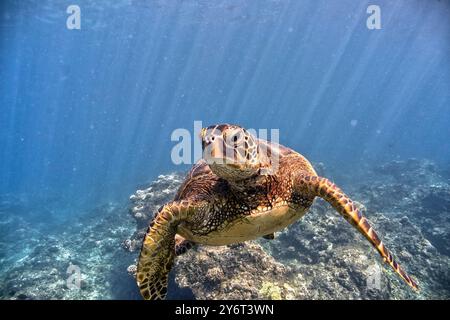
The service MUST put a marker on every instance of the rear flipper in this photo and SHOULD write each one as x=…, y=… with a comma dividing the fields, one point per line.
x=182, y=245
x=269, y=236
x=322, y=187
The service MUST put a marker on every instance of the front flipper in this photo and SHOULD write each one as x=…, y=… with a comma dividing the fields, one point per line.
x=322, y=187
x=157, y=252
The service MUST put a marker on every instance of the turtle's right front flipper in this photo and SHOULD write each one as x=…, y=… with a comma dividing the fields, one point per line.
x=324, y=188
x=157, y=252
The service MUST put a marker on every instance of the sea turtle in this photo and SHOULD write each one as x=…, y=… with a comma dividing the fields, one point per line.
x=242, y=189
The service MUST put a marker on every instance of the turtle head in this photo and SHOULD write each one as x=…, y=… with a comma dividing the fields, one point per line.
x=232, y=152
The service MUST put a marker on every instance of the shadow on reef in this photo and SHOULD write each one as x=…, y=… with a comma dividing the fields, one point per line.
x=319, y=257
x=175, y=292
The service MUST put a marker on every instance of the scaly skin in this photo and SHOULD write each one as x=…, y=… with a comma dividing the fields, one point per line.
x=214, y=206
x=327, y=190
x=157, y=252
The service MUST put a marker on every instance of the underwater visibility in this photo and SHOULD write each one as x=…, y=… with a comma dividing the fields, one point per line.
x=225, y=149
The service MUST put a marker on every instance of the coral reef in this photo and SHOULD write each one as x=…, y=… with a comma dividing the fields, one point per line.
x=220, y=273
x=322, y=256
x=48, y=261
x=319, y=257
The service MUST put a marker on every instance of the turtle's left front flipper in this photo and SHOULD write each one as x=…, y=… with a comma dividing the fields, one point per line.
x=158, y=250
x=324, y=188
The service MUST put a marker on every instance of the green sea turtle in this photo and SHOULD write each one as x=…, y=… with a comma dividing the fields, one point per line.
x=244, y=188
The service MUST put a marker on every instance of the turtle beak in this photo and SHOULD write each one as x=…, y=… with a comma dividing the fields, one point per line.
x=216, y=151
x=213, y=151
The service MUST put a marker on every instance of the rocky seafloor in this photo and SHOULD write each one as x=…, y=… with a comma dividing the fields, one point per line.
x=319, y=257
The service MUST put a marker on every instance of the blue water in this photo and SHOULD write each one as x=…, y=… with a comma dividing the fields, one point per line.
x=87, y=115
